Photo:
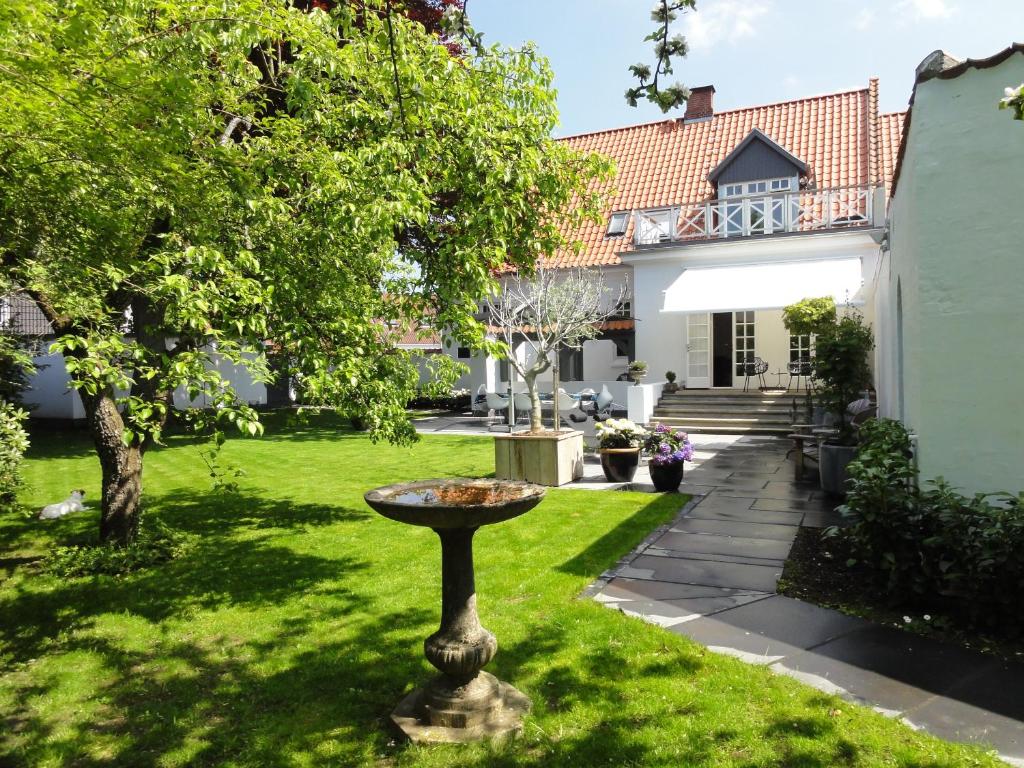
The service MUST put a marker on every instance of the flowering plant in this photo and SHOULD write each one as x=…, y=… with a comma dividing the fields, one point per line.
x=666, y=446
x=620, y=433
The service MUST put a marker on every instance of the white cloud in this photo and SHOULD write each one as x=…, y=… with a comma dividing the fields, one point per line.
x=728, y=21
x=926, y=9
x=864, y=19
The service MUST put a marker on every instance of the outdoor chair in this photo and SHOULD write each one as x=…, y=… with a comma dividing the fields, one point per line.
x=498, y=404
x=807, y=438
x=800, y=368
x=565, y=405
x=604, y=405
x=521, y=400
x=756, y=367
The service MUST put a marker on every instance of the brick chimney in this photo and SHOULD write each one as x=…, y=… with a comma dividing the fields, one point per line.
x=701, y=104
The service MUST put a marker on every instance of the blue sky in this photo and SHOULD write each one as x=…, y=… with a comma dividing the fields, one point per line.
x=752, y=51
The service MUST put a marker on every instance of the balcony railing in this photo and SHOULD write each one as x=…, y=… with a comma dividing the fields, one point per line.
x=803, y=211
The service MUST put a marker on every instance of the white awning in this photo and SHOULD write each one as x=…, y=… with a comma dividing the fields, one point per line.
x=764, y=286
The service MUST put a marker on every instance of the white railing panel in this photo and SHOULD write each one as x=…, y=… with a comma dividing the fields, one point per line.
x=801, y=211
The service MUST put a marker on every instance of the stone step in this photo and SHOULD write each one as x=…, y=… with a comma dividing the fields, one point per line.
x=716, y=408
x=712, y=429
x=712, y=404
x=725, y=419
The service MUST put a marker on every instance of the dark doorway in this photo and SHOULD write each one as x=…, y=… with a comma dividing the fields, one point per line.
x=721, y=340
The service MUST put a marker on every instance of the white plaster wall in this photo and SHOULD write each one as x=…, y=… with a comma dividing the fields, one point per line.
x=601, y=360
x=660, y=336
x=956, y=251
x=48, y=394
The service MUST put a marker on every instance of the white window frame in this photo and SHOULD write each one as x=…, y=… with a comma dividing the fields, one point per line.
x=752, y=188
x=616, y=231
x=749, y=351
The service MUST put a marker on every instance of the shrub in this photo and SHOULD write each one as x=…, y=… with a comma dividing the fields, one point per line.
x=13, y=444
x=933, y=544
x=155, y=544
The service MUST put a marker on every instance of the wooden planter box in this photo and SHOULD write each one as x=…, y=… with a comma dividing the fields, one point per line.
x=549, y=458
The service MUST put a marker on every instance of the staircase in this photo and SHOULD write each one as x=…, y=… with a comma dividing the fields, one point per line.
x=729, y=412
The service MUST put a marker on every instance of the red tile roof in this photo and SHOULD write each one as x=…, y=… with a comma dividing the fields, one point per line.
x=838, y=135
x=892, y=134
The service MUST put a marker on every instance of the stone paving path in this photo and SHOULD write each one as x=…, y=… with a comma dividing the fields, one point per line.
x=711, y=575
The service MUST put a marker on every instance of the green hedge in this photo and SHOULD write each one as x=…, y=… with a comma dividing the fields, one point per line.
x=13, y=444
x=933, y=544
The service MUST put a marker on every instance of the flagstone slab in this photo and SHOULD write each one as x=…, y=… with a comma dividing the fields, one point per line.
x=745, y=515
x=721, y=637
x=723, y=545
x=793, y=505
x=715, y=558
x=644, y=590
x=793, y=622
x=760, y=578
x=736, y=528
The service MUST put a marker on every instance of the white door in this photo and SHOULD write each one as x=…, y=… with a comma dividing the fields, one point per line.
x=698, y=350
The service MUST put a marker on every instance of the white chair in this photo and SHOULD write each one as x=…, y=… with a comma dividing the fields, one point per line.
x=565, y=403
x=604, y=398
x=497, y=403
x=523, y=404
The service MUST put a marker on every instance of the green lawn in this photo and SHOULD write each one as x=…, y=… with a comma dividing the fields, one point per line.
x=296, y=621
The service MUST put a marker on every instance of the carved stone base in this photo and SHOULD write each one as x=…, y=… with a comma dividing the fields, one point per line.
x=486, y=708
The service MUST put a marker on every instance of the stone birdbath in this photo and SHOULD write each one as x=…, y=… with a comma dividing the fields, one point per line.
x=463, y=703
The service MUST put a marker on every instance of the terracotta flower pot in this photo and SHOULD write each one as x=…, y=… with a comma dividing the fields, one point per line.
x=619, y=464
x=666, y=477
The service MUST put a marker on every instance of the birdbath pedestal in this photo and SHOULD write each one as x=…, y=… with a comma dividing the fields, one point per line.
x=463, y=703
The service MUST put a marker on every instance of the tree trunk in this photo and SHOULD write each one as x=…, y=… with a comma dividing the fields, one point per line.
x=536, y=424
x=555, y=386
x=122, y=470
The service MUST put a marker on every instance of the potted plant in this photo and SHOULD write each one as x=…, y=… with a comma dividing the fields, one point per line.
x=842, y=371
x=670, y=378
x=620, y=443
x=637, y=370
x=668, y=451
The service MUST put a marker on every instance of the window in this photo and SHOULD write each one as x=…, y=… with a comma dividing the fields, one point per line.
x=744, y=340
x=800, y=347
x=623, y=310
x=464, y=353
x=503, y=370
x=760, y=187
x=617, y=224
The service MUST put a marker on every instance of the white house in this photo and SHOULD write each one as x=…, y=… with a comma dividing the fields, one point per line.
x=720, y=219
x=946, y=292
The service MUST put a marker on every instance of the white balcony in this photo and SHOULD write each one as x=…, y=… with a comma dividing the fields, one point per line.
x=804, y=211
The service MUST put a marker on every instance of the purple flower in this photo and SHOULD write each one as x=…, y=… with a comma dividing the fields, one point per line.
x=661, y=429
x=665, y=448
x=681, y=436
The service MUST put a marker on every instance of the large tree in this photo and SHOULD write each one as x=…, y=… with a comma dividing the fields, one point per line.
x=192, y=178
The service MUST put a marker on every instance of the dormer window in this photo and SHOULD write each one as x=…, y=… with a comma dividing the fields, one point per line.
x=760, y=187
x=617, y=224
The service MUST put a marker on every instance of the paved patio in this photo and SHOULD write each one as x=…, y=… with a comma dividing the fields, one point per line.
x=711, y=575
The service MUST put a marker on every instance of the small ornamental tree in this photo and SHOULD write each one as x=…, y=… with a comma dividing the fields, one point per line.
x=842, y=367
x=809, y=316
x=552, y=310
x=191, y=181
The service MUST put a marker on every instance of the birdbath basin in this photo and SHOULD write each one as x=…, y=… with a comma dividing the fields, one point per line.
x=463, y=703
